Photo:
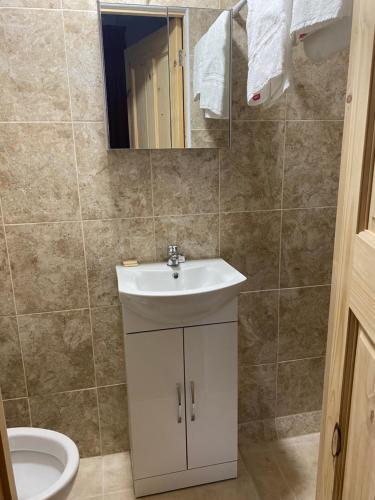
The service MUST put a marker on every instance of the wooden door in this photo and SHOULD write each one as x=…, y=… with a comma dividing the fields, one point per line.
x=147, y=80
x=346, y=461
x=211, y=394
x=156, y=402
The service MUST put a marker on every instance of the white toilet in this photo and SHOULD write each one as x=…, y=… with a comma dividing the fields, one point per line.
x=45, y=463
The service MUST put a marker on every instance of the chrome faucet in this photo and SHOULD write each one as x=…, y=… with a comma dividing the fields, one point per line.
x=174, y=258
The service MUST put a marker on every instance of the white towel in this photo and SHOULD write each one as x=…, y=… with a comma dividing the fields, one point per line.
x=325, y=42
x=309, y=16
x=269, y=50
x=211, y=69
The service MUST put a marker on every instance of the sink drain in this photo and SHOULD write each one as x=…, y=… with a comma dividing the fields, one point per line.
x=175, y=275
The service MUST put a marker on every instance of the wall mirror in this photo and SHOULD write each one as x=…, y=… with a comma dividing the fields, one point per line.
x=167, y=73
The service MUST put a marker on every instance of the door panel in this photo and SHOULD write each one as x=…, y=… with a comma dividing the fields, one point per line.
x=155, y=370
x=346, y=470
x=359, y=481
x=211, y=393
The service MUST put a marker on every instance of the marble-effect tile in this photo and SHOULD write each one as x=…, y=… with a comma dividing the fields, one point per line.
x=12, y=378
x=72, y=413
x=251, y=171
x=108, y=243
x=48, y=267
x=250, y=242
x=303, y=322
x=57, y=351
x=113, y=418
x=38, y=173
x=108, y=337
x=197, y=236
x=112, y=183
x=257, y=327
x=185, y=182
x=33, y=73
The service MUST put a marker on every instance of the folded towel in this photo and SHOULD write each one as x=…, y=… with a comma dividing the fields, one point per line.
x=211, y=69
x=325, y=42
x=309, y=16
x=269, y=50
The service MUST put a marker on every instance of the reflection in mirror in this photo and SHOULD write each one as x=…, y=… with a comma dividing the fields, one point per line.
x=167, y=75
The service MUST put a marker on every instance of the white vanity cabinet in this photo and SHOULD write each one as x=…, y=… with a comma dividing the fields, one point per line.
x=182, y=401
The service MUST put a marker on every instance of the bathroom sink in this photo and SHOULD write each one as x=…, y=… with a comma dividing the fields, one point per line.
x=183, y=293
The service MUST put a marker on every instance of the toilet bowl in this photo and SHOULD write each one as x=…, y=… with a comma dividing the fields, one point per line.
x=45, y=463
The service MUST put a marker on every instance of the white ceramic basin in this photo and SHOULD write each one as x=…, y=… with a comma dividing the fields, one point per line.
x=155, y=292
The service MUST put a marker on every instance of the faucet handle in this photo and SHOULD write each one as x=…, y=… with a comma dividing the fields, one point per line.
x=172, y=249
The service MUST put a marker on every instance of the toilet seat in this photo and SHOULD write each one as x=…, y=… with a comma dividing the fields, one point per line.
x=45, y=463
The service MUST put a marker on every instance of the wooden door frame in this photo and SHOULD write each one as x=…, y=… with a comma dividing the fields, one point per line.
x=353, y=212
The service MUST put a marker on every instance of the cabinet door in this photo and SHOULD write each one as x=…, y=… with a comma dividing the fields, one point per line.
x=155, y=378
x=211, y=393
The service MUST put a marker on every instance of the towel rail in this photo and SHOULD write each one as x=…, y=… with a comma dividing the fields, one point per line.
x=236, y=9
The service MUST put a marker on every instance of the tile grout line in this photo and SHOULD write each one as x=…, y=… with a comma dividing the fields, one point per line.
x=82, y=232
x=15, y=309
x=152, y=200
x=196, y=214
x=280, y=263
x=113, y=306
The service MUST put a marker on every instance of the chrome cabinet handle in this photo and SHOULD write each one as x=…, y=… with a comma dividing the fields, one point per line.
x=179, y=417
x=192, y=390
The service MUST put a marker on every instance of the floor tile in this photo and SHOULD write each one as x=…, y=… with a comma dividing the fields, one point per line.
x=272, y=470
x=88, y=483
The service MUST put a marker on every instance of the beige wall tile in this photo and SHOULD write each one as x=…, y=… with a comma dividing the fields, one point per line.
x=57, y=351
x=48, y=266
x=84, y=65
x=108, y=345
x=33, y=77
x=109, y=243
x=45, y=4
x=79, y=4
x=256, y=392
x=251, y=172
x=312, y=164
x=209, y=4
x=39, y=179
x=12, y=378
x=17, y=412
x=307, y=247
x=240, y=109
x=298, y=425
x=6, y=292
x=72, y=413
x=250, y=242
x=197, y=236
x=303, y=322
x=299, y=386
x=212, y=138
x=319, y=88
x=112, y=183
x=257, y=327
x=113, y=418
x=185, y=182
